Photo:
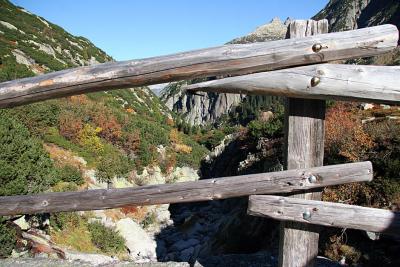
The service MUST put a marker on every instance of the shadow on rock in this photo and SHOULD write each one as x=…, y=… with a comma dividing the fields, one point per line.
x=207, y=233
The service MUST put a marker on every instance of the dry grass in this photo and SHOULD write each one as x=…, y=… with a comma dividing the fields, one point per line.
x=76, y=237
x=62, y=156
x=138, y=213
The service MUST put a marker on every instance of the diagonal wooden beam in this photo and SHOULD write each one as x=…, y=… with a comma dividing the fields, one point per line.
x=325, y=213
x=203, y=190
x=228, y=59
x=324, y=81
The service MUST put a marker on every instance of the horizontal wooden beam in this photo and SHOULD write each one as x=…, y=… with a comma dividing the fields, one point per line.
x=325, y=81
x=203, y=190
x=223, y=60
x=325, y=213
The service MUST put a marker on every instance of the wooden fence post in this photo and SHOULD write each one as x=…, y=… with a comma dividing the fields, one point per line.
x=304, y=136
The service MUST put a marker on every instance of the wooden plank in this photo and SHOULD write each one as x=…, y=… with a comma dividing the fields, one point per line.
x=228, y=59
x=324, y=81
x=203, y=190
x=325, y=213
x=304, y=148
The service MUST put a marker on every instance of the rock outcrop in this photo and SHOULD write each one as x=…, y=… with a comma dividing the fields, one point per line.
x=274, y=30
x=205, y=108
x=352, y=14
x=141, y=247
x=199, y=109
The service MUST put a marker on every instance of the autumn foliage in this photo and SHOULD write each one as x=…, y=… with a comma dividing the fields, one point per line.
x=344, y=135
x=111, y=129
x=70, y=125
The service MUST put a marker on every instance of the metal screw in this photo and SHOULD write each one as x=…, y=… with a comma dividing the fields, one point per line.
x=315, y=81
x=312, y=179
x=316, y=48
x=306, y=215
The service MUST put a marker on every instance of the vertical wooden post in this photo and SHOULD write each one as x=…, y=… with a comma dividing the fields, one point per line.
x=304, y=147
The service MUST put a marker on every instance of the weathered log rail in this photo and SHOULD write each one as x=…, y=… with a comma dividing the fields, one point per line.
x=203, y=190
x=325, y=213
x=228, y=59
x=324, y=81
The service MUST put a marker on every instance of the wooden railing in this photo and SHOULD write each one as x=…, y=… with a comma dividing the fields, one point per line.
x=307, y=87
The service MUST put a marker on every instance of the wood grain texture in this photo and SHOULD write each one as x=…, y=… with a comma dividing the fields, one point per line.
x=335, y=81
x=304, y=148
x=203, y=190
x=325, y=213
x=223, y=60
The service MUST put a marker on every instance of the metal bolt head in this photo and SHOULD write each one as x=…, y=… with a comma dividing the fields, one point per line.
x=316, y=48
x=312, y=179
x=315, y=81
x=306, y=215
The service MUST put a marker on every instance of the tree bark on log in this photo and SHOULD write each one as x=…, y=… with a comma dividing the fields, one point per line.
x=223, y=60
x=324, y=81
x=325, y=213
x=304, y=148
x=203, y=190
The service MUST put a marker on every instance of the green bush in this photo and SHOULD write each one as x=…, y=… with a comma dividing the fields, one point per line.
x=7, y=239
x=259, y=129
x=24, y=165
x=112, y=163
x=212, y=139
x=38, y=117
x=70, y=174
x=64, y=187
x=106, y=239
x=149, y=220
x=60, y=220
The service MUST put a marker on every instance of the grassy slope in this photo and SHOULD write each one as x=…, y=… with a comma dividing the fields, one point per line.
x=137, y=115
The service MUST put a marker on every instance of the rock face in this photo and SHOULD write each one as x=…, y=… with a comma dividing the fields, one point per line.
x=197, y=109
x=141, y=247
x=209, y=107
x=352, y=14
x=274, y=30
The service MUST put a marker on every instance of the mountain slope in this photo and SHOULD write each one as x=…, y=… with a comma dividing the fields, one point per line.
x=118, y=138
x=31, y=45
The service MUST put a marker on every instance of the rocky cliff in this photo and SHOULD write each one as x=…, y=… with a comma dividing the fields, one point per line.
x=208, y=107
x=198, y=109
x=352, y=14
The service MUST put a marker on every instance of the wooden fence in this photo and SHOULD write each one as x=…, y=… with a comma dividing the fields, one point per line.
x=288, y=68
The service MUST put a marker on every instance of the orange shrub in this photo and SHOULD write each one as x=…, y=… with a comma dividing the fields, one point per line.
x=174, y=136
x=344, y=134
x=136, y=212
x=111, y=129
x=182, y=148
x=169, y=121
x=70, y=125
x=132, y=141
x=78, y=99
x=169, y=163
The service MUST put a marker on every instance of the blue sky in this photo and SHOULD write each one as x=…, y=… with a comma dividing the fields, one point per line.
x=137, y=29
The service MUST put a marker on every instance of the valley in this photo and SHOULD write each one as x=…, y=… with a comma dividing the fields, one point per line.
x=133, y=137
